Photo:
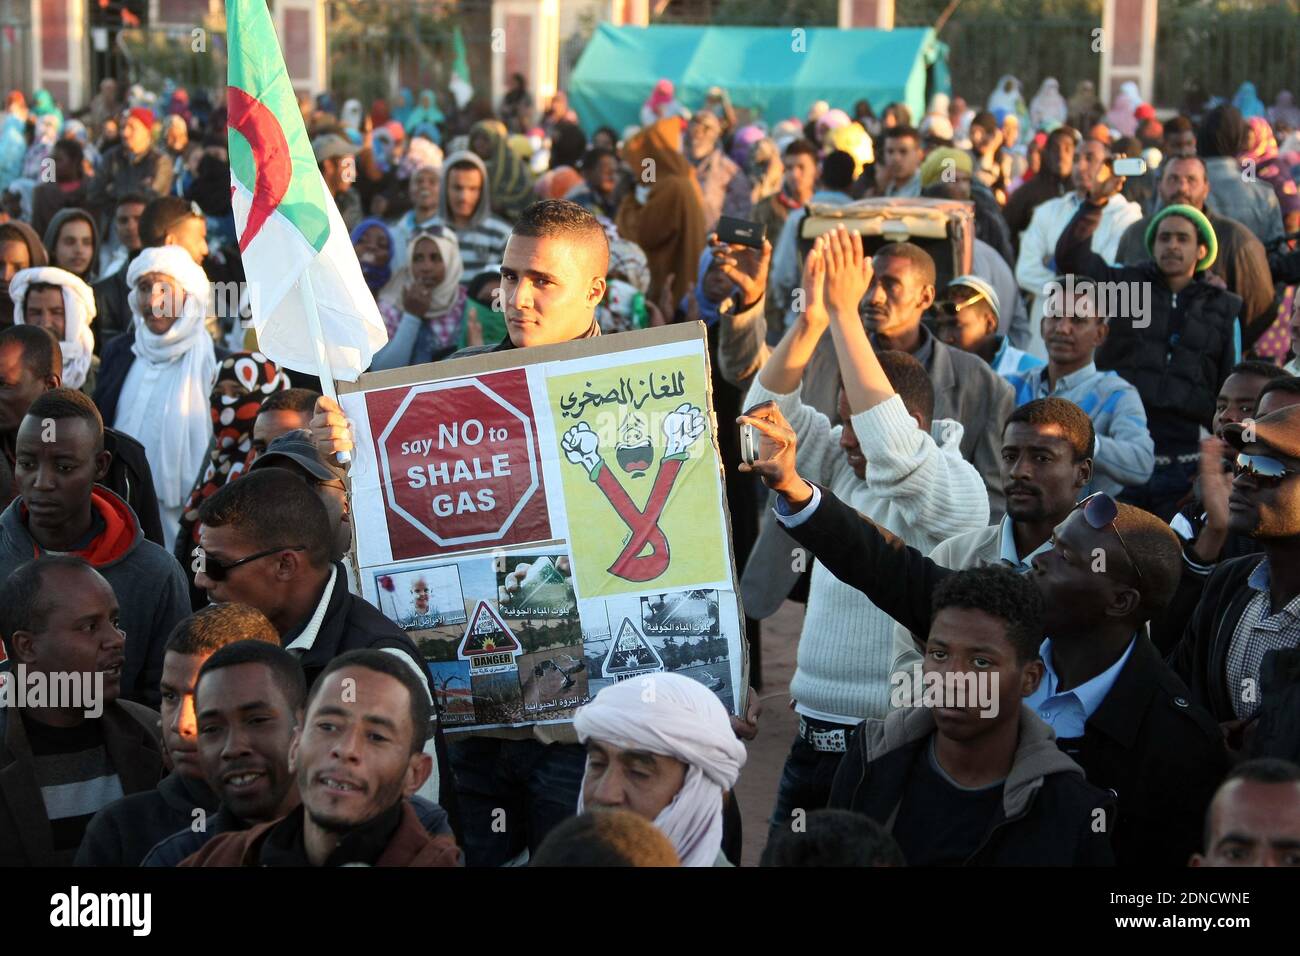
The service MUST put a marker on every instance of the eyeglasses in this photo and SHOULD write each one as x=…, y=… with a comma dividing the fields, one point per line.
x=1100, y=511
x=1261, y=468
x=220, y=570
x=948, y=308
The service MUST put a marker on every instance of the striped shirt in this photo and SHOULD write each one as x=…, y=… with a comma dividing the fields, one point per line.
x=482, y=245
x=76, y=778
x=1258, y=632
x=1010, y=361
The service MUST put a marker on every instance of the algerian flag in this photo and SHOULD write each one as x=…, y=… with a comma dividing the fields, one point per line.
x=459, y=84
x=293, y=241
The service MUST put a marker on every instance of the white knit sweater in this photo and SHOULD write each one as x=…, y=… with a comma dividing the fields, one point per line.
x=918, y=487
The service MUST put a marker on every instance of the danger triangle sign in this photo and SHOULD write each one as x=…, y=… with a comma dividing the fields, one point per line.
x=631, y=653
x=487, y=634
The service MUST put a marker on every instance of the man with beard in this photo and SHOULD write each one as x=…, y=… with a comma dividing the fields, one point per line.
x=1241, y=263
x=357, y=758
x=1240, y=647
x=723, y=184
x=1176, y=346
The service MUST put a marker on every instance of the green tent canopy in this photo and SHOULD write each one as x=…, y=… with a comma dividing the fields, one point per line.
x=759, y=68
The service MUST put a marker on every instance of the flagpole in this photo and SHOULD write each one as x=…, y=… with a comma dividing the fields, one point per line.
x=326, y=373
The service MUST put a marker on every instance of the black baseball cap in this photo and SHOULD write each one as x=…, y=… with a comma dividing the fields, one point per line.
x=297, y=447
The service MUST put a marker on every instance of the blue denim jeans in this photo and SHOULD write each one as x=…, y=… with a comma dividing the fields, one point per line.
x=805, y=783
x=512, y=793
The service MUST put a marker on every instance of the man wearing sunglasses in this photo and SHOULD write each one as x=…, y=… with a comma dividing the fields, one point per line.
x=1244, y=636
x=1116, y=707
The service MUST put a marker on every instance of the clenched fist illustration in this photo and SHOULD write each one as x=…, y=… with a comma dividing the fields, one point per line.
x=581, y=446
x=681, y=427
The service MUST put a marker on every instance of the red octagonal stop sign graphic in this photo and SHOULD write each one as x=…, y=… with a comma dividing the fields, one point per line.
x=460, y=464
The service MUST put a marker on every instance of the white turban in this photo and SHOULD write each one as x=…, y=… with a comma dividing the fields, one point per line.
x=677, y=717
x=169, y=413
x=78, y=343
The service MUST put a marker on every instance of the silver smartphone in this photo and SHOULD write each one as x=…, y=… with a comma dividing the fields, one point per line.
x=1130, y=166
x=748, y=443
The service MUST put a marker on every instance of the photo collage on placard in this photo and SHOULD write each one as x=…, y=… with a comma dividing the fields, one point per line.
x=500, y=634
x=684, y=632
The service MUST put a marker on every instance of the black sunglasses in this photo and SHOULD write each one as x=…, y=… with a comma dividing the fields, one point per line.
x=1100, y=511
x=219, y=570
x=1261, y=468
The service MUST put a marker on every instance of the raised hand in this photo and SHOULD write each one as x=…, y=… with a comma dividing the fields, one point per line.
x=848, y=272
x=744, y=266
x=330, y=428
x=814, y=279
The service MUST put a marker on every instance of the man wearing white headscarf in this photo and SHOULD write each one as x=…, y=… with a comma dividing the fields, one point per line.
x=662, y=747
x=155, y=380
x=57, y=300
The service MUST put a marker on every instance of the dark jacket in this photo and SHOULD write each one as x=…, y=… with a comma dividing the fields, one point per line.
x=129, y=732
x=149, y=585
x=411, y=845
x=1178, y=356
x=120, y=173
x=990, y=225
x=1047, y=816
x=1200, y=658
x=1242, y=263
x=112, y=310
x=188, y=841
x=131, y=479
x=1161, y=754
x=125, y=830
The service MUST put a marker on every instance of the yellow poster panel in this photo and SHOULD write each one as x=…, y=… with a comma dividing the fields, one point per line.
x=640, y=476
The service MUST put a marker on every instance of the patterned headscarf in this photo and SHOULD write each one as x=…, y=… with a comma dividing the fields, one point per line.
x=233, y=416
x=510, y=180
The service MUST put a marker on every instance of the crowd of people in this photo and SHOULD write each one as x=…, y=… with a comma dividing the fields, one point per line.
x=1061, y=471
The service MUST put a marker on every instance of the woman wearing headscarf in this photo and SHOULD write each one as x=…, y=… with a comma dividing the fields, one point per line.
x=1248, y=102
x=13, y=138
x=1261, y=150
x=1008, y=95
x=20, y=248
x=73, y=243
x=627, y=281
x=425, y=117
x=1048, y=106
x=1084, y=107
x=155, y=380
x=423, y=303
x=352, y=116
x=71, y=328
x=660, y=103
x=372, y=240
x=508, y=175
x=683, y=721
x=664, y=217
x=43, y=140
x=244, y=379
x=405, y=106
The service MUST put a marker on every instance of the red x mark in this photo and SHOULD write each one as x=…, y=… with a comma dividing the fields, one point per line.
x=631, y=565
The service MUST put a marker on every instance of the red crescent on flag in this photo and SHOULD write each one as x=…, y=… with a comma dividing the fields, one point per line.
x=271, y=160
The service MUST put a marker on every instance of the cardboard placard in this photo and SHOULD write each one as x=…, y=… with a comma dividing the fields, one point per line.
x=543, y=522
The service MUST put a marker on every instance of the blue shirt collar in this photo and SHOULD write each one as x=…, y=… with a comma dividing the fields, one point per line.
x=1090, y=693
x=1008, y=554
